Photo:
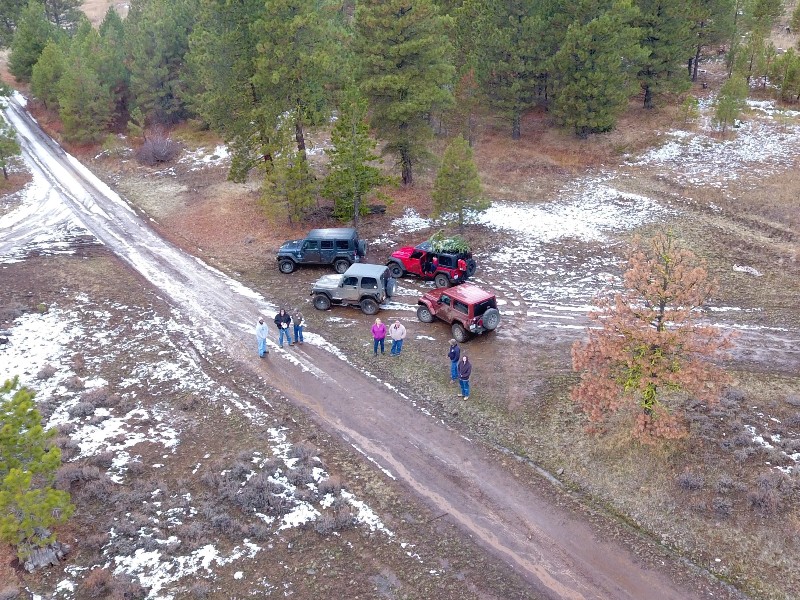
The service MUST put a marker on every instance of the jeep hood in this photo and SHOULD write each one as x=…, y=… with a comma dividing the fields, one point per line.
x=290, y=246
x=328, y=282
x=403, y=252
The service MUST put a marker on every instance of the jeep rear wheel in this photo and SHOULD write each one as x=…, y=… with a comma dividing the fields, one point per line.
x=341, y=265
x=391, y=284
x=441, y=280
x=369, y=306
x=395, y=270
x=472, y=266
x=460, y=334
x=491, y=319
x=286, y=266
x=424, y=314
x=322, y=302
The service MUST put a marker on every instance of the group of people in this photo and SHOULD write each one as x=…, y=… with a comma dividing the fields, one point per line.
x=286, y=326
x=397, y=333
x=460, y=367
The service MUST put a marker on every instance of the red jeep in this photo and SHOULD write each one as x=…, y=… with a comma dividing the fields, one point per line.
x=469, y=309
x=445, y=268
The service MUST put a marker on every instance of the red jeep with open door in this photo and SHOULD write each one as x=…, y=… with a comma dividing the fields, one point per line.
x=444, y=267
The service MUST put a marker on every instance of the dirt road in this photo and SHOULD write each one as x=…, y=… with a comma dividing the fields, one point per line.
x=560, y=553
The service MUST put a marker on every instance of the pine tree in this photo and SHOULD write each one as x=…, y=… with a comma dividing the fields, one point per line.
x=111, y=69
x=646, y=357
x=288, y=185
x=64, y=14
x=714, y=22
x=785, y=73
x=47, y=73
x=8, y=145
x=457, y=194
x=10, y=11
x=730, y=102
x=29, y=506
x=404, y=71
x=352, y=178
x=666, y=30
x=32, y=34
x=595, y=70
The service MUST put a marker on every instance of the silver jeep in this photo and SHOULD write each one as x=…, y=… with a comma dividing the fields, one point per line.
x=364, y=285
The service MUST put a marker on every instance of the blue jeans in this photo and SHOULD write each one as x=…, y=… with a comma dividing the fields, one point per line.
x=397, y=346
x=464, y=387
x=284, y=332
x=375, y=346
x=298, y=333
x=453, y=370
x=262, y=347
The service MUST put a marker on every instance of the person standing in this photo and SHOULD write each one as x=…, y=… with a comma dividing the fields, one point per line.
x=398, y=333
x=282, y=322
x=378, y=336
x=299, y=324
x=261, y=337
x=464, y=371
x=454, y=354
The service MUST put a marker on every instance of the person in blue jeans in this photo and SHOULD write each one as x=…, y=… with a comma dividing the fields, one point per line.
x=299, y=324
x=464, y=372
x=398, y=333
x=378, y=336
x=261, y=337
x=454, y=354
x=282, y=322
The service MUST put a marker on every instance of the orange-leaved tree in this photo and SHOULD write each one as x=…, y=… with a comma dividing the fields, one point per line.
x=648, y=354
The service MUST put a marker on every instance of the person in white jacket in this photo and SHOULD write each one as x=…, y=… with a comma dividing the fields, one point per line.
x=261, y=337
x=398, y=333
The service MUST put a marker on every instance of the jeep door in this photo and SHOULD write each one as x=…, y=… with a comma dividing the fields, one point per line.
x=444, y=308
x=327, y=252
x=310, y=251
x=414, y=262
x=350, y=291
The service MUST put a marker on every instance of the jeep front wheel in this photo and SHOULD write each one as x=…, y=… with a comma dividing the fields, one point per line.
x=441, y=280
x=341, y=265
x=322, y=302
x=460, y=334
x=424, y=314
x=369, y=306
x=286, y=266
x=395, y=270
x=491, y=319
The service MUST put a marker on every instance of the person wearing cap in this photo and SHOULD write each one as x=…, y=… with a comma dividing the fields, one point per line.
x=398, y=333
x=454, y=354
x=282, y=322
x=261, y=337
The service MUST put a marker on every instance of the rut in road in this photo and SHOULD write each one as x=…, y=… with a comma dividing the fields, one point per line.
x=559, y=553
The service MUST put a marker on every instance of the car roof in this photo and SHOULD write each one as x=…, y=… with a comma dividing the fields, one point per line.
x=469, y=293
x=332, y=232
x=366, y=270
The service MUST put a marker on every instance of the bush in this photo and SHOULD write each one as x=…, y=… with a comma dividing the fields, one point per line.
x=98, y=584
x=304, y=451
x=793, y=399
x=157, y=148
x=74, y=384
x=325, y=524
x=725, y=484
x=81, y=409
x=10, y=592
x=69, y=447
x=96, y=542
x=201, y=589
x=104, y=460
x=300, y=476
x=691, y=481
x=330, y=485
x=46, y=372
x=722, y=506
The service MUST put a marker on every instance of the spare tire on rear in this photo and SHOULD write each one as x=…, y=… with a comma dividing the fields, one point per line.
x=491, y=319
x=391, y=283
x=361, y=248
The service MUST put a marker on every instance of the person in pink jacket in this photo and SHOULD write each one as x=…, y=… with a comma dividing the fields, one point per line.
x=378, y=336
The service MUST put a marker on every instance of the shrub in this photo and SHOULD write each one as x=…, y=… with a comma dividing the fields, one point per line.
x=46, y=372
x=722, y=506
x=239, y=471
x=793, y=399
x=300, y=476
x=793, y=420
x=81, y=409
x=10, y=592
x=201, y=589
x=742, y=454
x=96, y=542
x=98, y=584
x=104, y=460
x=330, y=485
x=157, y=148
x=691, y=481
x=725, y=484
x=69, y=447
x=734, y=395
x=74, y=384
x=65, y=428
x=101, y=489
x=325, y=524
x=304, y=451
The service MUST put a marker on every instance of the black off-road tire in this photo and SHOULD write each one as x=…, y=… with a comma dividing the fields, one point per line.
x=361, y=248
x=322, y=302
x=341, y=265
x=491, y=319
x=391, y=284
x=395, y=269
x=472, y=266
x=424, y=314
x=369, y=306
x=286, y=266
x=460, y=334
x=441, y=280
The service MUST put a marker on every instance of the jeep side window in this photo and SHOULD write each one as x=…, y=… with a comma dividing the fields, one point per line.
x=350, y=281
x=369, y=283
x=444, y=299
x=326, y=244
x=461, y=307
x=310, y=245
x=446, y=260
x=416, y=254
x=342, y=244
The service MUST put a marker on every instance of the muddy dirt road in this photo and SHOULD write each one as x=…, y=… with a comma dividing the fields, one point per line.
x=558, y=552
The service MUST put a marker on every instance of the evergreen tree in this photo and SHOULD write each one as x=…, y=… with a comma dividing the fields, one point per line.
x=666, y=30
x=64, y=14
x=47, y=73
x=595, y=70
x=785, y=73
x=457, y=194
x=29, y=505
x=32, y=34
x=795, y=21
x=352, y=178
x=111, y=69
x=10, y=11
x=714, y=22
x=288, y=185
x=8, y=145
x=157, y=40
x=404, y=73
x=730, y=102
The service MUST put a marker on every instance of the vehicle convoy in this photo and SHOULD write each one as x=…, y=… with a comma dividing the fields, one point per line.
x=363, y=285
x=469, y=309
x=445, y=266
x=338, y=246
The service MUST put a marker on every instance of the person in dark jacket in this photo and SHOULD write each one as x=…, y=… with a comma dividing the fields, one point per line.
x=282, y=321
x=454, y=354
x=464, y=371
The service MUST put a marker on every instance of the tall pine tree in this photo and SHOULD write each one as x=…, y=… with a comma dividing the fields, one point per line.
x=457, y=193
x=8, y=145
x=31, y=36
x=405, y=73
x=46, y=74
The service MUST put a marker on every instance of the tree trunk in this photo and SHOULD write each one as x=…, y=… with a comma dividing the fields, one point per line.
x=648, y=96
x=696, y=64
x=299, y=136
x=515, y=126
x=405, y=161
x=5, y=173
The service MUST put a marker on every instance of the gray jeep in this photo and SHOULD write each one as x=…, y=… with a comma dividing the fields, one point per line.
x=337, y=246
x=363, y=285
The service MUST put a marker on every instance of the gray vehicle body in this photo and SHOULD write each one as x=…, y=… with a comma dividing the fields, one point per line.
x=363, y=285
x=337, y=246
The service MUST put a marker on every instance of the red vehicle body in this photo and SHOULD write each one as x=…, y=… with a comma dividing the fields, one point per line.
x=444, y=268
x=469, y=309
